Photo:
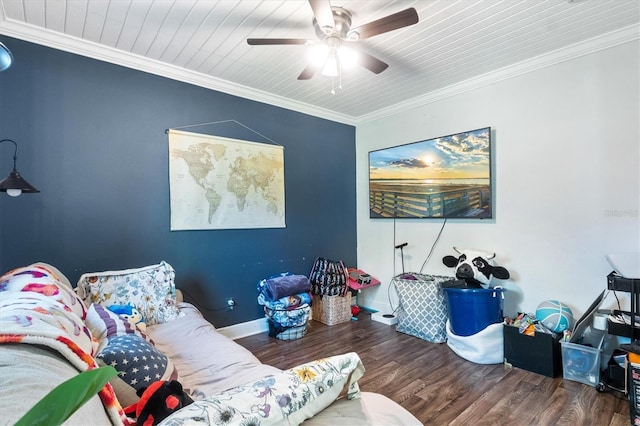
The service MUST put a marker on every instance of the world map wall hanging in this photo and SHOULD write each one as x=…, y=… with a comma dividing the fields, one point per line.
x=223, y=183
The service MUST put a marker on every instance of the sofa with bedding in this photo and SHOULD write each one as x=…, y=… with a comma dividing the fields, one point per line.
x=49, y=333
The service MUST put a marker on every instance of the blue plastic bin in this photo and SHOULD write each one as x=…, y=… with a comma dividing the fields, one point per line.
x=472, y=309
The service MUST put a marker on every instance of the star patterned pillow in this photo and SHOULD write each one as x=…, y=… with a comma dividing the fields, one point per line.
x=137, y=361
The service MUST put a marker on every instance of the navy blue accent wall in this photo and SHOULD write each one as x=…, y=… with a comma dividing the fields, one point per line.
x=92, y=139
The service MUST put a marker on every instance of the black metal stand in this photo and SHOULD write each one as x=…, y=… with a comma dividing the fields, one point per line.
x=611, y=377
x=401, y=246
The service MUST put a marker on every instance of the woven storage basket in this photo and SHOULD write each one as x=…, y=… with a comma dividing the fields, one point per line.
x=331, y=310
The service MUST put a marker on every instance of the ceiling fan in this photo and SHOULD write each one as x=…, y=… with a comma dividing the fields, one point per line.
x=333, y=29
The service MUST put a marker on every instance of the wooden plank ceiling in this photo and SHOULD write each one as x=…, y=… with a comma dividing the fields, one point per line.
x=454, y=41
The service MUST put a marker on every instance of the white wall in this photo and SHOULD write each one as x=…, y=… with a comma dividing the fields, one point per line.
x=566, y=174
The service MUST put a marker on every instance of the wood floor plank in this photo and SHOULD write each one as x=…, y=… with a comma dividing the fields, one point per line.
x=439, y=387
x=619, y=420
x=494, y=397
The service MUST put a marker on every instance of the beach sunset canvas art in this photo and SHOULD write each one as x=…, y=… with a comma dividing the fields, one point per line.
x=443, y=177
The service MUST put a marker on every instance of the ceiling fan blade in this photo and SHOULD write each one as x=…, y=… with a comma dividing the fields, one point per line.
x=398, y=20
x=323, y=13
x=272, y=41
x=308, y=72
x=372, y=63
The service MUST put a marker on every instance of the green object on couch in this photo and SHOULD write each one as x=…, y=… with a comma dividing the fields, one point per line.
x=63, y=400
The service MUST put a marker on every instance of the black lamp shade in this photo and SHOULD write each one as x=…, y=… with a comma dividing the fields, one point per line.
x=13, y=184
x=5, y=57
x=15, y=181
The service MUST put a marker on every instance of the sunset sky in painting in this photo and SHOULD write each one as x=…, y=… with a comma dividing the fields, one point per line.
x=460, y=156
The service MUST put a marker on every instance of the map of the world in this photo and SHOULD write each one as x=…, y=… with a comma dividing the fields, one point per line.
x=222, y=183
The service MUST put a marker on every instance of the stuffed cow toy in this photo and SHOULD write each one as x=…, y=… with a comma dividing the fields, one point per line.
x=475, y=268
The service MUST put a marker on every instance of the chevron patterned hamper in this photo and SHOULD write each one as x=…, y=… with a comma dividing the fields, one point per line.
x=423, y=306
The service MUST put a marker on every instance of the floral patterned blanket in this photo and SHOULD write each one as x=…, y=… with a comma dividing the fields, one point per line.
x=36, y=307
x=287, y=398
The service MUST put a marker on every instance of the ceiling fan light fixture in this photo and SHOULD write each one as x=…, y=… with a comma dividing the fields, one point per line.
x=318, y=54
x=326, y=30
x=348, y=57
x=331, y=65
x=332, y=26
x=353, y=35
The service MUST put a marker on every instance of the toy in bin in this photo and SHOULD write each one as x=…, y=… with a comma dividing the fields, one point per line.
x=474, y=268
x=358, y=279
x=474, y=328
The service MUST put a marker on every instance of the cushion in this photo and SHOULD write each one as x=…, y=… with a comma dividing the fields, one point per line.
x=371, y=409
x=289, y=397
x=208, y=361
x=104, y=324
x=137, y=361
x=151, y=289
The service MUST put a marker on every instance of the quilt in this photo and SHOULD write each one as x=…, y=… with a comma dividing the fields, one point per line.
x=36, y=308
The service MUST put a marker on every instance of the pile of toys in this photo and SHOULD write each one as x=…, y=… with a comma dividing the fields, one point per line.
x=551, y=317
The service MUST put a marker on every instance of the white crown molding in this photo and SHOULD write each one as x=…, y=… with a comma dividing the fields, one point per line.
x=612, y=39
x=64, y=42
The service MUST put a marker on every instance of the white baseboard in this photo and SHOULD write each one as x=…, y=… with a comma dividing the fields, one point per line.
x=249, y=328
x=244, y=329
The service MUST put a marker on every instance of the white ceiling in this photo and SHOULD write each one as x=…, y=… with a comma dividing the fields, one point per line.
x=456, y=43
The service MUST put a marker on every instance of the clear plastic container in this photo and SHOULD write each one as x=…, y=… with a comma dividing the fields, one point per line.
x=581, y=360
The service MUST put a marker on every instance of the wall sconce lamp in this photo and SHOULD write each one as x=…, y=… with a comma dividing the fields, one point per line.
x=14, y=184
x=6, y=58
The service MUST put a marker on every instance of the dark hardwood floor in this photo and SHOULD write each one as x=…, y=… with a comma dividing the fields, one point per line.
x=439, y=387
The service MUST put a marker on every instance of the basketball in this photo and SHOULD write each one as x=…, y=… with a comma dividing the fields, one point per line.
x=554, y=315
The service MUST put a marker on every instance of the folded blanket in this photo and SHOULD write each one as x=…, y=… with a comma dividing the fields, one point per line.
x=35, y=309
x=286, y=285
x=289, y=318
x=287, y=302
